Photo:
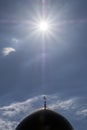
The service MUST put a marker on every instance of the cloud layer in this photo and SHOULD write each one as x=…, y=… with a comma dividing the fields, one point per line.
x=12, y=114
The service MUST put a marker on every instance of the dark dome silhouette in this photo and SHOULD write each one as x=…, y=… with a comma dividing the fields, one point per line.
x=44, y=120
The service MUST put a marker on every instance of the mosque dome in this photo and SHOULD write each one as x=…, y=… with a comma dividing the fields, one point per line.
x=44, y=120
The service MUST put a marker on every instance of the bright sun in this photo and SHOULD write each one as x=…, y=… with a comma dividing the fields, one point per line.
x=43, y=26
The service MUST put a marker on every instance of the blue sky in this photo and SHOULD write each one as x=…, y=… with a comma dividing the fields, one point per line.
x=33, y=65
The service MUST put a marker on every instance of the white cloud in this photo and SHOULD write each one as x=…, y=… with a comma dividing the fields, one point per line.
x=6, y=51
x=65, y=105
x=7, y=125
x=82, y=112
x=15, y=108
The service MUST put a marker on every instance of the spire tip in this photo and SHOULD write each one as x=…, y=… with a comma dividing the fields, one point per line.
x=44, y=103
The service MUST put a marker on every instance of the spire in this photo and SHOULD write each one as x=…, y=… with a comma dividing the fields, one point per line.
x=44, y=102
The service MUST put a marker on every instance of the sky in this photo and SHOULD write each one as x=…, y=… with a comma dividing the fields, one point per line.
x=34, y=64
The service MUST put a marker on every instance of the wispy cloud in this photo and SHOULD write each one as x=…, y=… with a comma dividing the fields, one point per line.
x=7, y=125
x=82, y=112
x=16, y=108
x=7, y=50
x=67, y=104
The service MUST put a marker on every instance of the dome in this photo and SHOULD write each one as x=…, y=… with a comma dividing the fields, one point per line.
x=44, y=120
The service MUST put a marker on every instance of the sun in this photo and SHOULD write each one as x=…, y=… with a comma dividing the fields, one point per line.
x=44, y=26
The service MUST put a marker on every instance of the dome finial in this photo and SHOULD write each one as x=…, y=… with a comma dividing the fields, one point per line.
x=45, y=105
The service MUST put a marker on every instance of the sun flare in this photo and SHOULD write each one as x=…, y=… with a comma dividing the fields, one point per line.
x=43, y=26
